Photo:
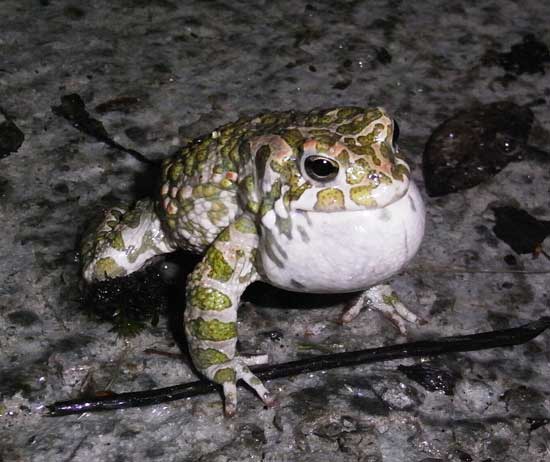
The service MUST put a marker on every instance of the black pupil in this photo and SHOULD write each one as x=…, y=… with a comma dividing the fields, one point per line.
x=321, y=169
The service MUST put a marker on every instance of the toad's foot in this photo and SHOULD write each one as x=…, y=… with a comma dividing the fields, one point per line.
x=229, y=373
x=381, y=298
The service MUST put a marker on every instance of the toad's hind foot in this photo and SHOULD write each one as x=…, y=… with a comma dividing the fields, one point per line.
x=123, y=242
x=228, y=374
x=381, y=298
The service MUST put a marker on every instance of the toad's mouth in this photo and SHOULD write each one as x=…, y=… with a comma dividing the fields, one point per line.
x=355, y=199
x=351, y=207
x=336, y=212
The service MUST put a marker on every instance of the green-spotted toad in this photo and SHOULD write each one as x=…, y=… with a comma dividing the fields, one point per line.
x=310, y=202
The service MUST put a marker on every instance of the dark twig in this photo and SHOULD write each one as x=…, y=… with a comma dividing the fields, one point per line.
x=445, y=345
x=73, y=109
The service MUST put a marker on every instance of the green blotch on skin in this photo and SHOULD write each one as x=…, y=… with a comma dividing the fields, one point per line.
x=296, y=191
x=133, y=218
x=270, y=198
x=209, y=299
x=294, y=139
x=206, y=357
x=286, y=200
x=117, y=241
x=318, y=132
x=231, y=150
x=387, y=152
x=343, y=158
x=266, y=206
x=253, y=206
x=391, y=300
x=276, y=166
x=244, y=150
x=400, y=172
x=248, y=183
x=218, y=211
x=255, y=381
x=325, y=138
x=224, y=236
x=360, y=122
x=347, y=113
x=365, y=151
x=213, y=330
x=189, y=162
x=245, y=225
x=186, y=205
x=268, y=119
x=361, y=195
x=207, y=190
x=330, y=199
x=175, y=171
x=108, y=268
x=219, y=268
x=226, y=183
x=371, y=115
x=356, y=173
x=275, y=191
x=226, y=374
x=324, y=143
x=366, y=140
x=352, y=128
x=291, y=177
x=379, y=128
x=262, y=157
x=320, y=119
x=384, y=178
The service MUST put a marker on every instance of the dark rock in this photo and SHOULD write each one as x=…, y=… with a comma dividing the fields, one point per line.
x=11, y=138
x=527, y=57
x=431, y=378
x=474, y=145
x=521, y=231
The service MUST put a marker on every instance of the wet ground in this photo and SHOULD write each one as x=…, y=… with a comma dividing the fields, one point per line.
x=158, y=73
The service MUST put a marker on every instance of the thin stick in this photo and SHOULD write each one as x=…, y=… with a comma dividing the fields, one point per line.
x=445, y=345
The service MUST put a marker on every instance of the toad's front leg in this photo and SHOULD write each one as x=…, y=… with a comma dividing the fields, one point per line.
x=214, y=289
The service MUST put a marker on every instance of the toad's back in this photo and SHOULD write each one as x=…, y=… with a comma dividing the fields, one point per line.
x=210, y=182
x=200, y=185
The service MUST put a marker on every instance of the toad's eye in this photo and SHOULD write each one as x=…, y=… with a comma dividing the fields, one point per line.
x=395, y=137
x=321, y=168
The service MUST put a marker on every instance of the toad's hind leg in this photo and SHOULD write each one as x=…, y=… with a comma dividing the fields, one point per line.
x=123, y=242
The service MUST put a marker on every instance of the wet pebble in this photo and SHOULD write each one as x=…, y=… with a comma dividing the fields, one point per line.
x=475, y=144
